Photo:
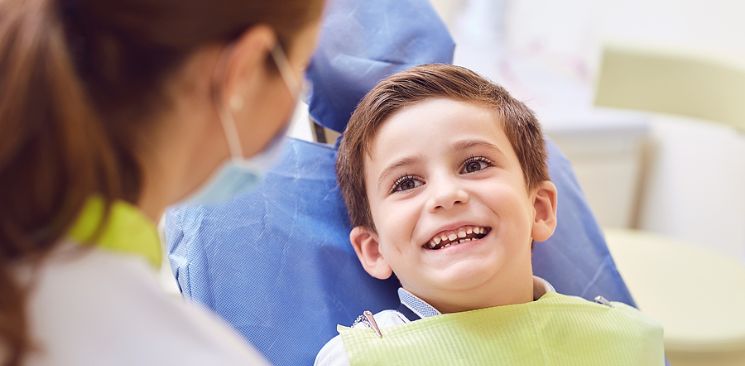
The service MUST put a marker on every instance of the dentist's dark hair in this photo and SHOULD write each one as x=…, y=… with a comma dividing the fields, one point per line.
x=79, y=80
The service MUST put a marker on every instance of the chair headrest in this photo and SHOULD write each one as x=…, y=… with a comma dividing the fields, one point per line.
x=361, y=45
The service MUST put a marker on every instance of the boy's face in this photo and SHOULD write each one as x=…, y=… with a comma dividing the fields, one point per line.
x=454, y=218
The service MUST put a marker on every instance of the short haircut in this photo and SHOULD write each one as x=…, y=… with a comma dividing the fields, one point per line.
x=421, y=83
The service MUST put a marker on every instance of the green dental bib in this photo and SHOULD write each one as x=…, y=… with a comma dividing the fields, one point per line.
x=553, y=330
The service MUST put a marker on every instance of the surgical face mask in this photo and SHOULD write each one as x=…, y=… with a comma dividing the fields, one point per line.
x=238, y=174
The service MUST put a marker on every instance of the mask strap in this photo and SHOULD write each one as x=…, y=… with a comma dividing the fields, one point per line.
x=224, y=115
x=231, y=133
x=285, y=71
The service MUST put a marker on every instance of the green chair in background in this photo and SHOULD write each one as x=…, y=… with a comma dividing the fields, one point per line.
x=672, y=83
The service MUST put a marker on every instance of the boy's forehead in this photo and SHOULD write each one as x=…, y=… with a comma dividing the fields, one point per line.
x=435, y=121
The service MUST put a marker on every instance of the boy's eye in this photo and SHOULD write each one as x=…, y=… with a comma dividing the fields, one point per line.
x=406, y=183
x=475, y=164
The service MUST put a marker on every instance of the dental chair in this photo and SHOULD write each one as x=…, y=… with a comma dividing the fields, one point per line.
x=276, y=263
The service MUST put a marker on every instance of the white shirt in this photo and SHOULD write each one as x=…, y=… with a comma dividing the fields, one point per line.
x=333, y=352
x=89, y=306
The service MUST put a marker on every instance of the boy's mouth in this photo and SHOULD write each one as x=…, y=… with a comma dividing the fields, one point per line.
x=461, y=235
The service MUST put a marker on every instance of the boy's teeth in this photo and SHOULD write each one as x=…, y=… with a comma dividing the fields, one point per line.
x=462, y=235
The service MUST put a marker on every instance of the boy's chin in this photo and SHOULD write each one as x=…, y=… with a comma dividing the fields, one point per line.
x=468, y=279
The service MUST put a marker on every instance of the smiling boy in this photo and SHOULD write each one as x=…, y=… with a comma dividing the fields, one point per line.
x=445, y=178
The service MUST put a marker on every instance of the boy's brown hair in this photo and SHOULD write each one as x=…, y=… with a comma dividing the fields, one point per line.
x=415, y=85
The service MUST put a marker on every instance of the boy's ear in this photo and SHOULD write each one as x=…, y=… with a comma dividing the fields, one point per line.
x=544, y=206
x=366, y=245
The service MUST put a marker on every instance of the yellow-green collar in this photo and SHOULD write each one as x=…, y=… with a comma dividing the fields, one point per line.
x=127, y=230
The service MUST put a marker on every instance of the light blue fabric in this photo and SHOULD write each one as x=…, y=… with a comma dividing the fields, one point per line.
x=276, y=262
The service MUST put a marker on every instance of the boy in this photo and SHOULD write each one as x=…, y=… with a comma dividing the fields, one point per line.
x=444, y=175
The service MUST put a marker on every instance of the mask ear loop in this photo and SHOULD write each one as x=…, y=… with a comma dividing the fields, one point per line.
x=224, y=114
x=285, y=71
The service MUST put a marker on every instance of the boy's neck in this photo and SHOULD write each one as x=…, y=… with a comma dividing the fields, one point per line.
x=514, y=292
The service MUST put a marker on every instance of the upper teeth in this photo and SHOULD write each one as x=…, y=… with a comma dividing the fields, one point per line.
x=460, y=235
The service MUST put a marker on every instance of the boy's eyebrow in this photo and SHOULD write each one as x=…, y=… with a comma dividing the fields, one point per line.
x=466, y=144
x=399, y=163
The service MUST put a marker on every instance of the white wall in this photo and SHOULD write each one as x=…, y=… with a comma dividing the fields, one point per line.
x=695, y=184
x=713, y=27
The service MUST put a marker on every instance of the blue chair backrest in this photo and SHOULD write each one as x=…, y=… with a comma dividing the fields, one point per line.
x=276, y=263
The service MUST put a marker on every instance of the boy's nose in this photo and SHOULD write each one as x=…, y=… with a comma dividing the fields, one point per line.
x=446, y=196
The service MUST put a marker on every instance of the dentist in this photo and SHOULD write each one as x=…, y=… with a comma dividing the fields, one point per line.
x=110, y=111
